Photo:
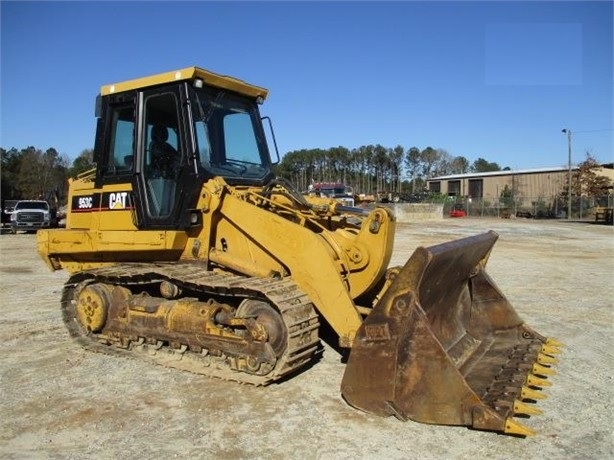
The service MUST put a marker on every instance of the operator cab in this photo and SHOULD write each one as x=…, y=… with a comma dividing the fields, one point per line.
x=168, y=134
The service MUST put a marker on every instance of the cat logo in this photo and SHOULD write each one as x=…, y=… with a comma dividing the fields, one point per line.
x=117, y=200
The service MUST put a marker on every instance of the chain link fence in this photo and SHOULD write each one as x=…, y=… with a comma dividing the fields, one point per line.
x=582, y=208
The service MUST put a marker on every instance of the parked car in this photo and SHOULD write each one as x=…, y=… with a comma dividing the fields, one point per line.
x=458, y=210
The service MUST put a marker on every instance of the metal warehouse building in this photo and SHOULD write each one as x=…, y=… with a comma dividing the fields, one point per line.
x=528, y=185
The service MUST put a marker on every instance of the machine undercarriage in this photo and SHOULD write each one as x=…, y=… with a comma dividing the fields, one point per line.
x=236, y=328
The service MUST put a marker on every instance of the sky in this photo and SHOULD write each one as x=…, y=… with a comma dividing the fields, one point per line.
x=490, y=79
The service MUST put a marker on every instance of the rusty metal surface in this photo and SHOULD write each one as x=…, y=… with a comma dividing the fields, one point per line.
x=444, y=346
x=249, y=342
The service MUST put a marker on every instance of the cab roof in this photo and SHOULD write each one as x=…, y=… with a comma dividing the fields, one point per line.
x=189, y=73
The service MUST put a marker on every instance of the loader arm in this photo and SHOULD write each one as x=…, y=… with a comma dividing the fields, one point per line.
x=247, y=233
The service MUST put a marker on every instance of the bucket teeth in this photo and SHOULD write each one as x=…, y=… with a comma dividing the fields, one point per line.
x=513, y=427
x=538, y=369
x=522, y=378
x=528, y=393
x=554, y=343
x=519, y=382
x=550, y=350
x=537, y=382
x=545, y=359
x=526, y=409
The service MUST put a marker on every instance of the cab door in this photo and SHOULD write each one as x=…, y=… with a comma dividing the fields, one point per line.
x=165, y=180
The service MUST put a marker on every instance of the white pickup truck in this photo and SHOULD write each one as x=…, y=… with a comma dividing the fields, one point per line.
x=30, y=215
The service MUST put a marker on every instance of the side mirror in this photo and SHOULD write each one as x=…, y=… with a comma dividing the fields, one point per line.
x=272, y=133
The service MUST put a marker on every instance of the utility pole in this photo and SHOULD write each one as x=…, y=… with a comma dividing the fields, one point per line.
x=568, y=131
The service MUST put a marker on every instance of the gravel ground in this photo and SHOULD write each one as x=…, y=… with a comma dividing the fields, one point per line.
x=60, y=401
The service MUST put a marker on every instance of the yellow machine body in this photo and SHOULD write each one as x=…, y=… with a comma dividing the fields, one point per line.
x=183, y=239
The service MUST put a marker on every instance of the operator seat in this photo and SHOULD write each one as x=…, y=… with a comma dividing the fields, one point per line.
x=162, y=174
x=163, y=156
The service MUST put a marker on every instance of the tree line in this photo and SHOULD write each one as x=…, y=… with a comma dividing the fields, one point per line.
x=31, y=173
x=371, y=169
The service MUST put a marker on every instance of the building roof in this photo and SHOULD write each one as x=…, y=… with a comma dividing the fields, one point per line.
x=508, y=172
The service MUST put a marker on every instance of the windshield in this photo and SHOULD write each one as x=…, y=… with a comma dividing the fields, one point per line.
x=333, y=191
x=32, y=205
x=229, y=136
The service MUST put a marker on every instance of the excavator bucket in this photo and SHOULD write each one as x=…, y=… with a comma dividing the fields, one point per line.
x=444, y=346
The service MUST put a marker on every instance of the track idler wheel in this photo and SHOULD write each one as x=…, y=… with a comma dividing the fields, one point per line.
x=92, y=306
x=267, y=324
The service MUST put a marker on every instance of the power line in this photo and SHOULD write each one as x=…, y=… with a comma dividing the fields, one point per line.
x=593, y=131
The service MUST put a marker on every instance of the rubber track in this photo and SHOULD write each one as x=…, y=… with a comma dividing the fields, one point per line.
x=297, y=313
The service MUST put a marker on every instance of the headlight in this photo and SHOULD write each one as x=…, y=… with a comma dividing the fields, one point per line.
x=13, y=217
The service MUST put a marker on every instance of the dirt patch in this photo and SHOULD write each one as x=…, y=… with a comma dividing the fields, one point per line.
x=59, y=401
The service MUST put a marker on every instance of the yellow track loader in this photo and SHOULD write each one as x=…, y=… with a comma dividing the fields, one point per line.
x=182, y=244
